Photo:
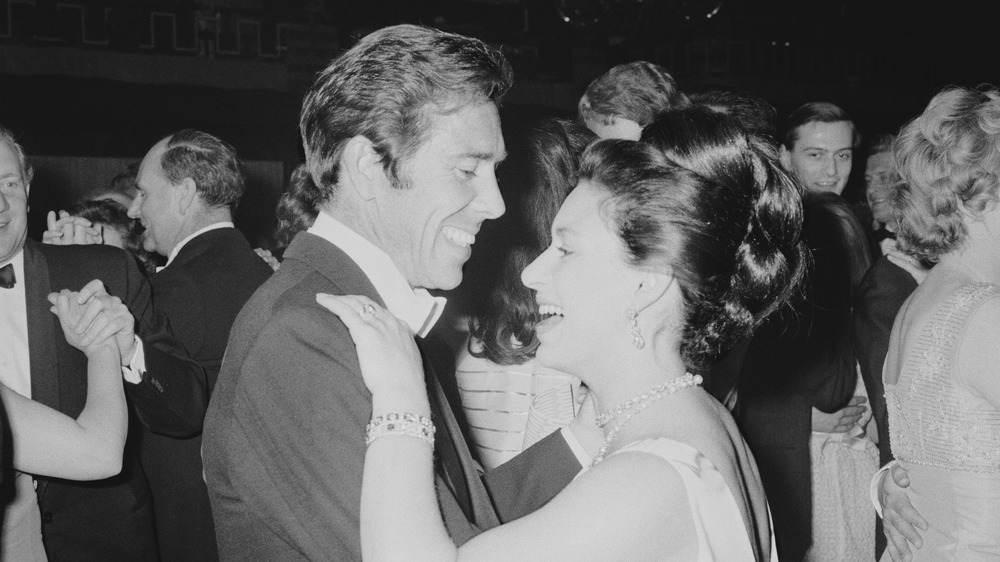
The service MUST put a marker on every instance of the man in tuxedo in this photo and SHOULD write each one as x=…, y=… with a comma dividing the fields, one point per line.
x=105, y=520
x=799, y=374
x=401, y=138
x=189, y=183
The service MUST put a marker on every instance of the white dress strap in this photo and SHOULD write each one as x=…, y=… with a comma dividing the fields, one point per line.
x=721, y=532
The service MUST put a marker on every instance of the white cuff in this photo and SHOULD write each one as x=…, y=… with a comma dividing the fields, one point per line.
x=874, y=486
x=137, y=366
x=578, y=450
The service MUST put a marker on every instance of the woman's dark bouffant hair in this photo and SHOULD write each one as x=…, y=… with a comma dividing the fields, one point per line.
x=298, y=206
x=949, y=160
x=112, y=214
x=708, y=201
x=505, y=328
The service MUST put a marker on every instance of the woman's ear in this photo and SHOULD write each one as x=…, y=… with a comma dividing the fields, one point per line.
x=653, y=288
x=361, y=167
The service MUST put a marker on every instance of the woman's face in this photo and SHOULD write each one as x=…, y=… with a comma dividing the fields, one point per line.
x=583, y=286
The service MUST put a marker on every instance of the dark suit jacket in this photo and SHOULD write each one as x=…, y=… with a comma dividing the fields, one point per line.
x=799, y=359
x=284, y=436
x=881, y=294
x=108, y=519
x=200, y=294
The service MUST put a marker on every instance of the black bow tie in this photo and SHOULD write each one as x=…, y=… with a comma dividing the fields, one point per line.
x=7, y=279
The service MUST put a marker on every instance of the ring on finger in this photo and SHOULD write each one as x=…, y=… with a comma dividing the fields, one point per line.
x=368, y=309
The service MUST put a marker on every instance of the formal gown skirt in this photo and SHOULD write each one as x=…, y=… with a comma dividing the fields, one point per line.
x=843, y=520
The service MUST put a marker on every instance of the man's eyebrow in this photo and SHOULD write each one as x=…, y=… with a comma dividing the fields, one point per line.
x=10, y=175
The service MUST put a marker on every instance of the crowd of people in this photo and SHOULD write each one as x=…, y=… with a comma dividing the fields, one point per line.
x=695, y=347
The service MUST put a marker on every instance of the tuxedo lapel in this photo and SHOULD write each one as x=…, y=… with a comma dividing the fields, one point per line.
x=41, y=329
x=41, y=335
x=459, y=468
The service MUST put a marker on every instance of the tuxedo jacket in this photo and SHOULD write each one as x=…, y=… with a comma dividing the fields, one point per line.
x=284, y=436
x=108, y=519
x=801, y=358
x=199, y=294
x=881, y=294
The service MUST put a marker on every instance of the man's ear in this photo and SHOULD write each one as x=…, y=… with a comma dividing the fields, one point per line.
x=653, y=288
x=184, y=194
x=786, y=158
x=361, y=167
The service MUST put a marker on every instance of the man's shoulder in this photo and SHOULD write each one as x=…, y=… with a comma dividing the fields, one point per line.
x=219, y=254
x=70, y=263
x=88, y=256
x=885, y=276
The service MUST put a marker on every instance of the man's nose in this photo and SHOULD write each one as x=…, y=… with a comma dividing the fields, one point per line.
x=490, y=200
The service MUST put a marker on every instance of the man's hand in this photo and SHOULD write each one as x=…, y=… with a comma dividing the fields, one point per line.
x=842, y=420
x=900, y=519
x=105, y=315
x=268, y=257
x=907, y=263
x=68, y=230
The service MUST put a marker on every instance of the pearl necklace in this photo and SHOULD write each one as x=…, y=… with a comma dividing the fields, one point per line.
x=637, y=404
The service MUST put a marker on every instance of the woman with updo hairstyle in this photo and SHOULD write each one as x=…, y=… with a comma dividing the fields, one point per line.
x=652, y=268
x=941, y=378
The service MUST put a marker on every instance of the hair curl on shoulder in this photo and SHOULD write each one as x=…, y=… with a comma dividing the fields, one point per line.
x=298, y=206
x=949, y=161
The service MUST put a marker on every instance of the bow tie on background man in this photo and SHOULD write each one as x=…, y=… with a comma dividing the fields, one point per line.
x=7, y=279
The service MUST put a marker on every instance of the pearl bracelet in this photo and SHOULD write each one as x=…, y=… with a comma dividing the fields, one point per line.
x=410, y=425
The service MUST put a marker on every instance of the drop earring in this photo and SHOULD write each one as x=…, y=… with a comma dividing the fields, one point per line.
x=633, y=318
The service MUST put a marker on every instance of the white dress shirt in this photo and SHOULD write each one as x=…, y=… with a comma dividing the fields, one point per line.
x=20, y=537
x=417, y=307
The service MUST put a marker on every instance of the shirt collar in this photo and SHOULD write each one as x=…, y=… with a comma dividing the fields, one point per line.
x=417, y=307
x=190, y=237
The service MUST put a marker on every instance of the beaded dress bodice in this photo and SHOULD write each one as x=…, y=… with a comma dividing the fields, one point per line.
x=934, y=419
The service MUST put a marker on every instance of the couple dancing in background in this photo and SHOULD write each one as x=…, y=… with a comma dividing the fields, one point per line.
x=667, y=251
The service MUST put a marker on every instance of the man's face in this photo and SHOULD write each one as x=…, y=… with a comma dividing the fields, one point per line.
x=822, y=156
x=449, y=188
x=154, y=206
x=880, y=178
x=13, y=204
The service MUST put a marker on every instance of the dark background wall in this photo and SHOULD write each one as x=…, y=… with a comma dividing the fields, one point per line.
x=105, y=79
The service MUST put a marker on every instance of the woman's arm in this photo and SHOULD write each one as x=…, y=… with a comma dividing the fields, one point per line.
x=630, y=507
x=48, y=443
